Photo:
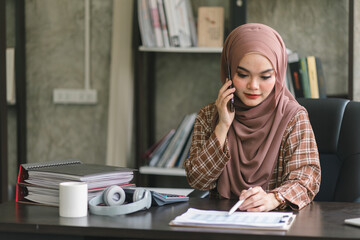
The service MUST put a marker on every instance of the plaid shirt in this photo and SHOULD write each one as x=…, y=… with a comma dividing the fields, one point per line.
x=297, y=173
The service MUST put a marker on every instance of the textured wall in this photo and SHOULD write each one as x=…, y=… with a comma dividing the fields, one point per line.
x=310, y=27
x=185, y=82
x=55, y=59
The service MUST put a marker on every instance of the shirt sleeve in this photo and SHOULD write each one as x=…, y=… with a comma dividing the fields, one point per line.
x=301, y=174
x=206, y=159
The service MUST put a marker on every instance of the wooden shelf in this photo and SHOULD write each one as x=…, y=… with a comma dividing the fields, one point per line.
x=162, y=171
x=181, y=50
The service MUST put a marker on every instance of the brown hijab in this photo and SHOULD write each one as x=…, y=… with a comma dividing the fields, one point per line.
x=256, y=132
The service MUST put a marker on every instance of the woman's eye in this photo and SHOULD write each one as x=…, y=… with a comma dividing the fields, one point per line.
x=242, y=75
x=265, y=77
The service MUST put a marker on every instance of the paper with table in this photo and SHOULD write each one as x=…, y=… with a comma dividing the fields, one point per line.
x=247, y=220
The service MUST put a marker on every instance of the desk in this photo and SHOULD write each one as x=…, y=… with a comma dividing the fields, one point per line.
x=320, y=220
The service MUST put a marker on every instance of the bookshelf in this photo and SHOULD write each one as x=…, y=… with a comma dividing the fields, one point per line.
x=145, y=118
x=20, y=89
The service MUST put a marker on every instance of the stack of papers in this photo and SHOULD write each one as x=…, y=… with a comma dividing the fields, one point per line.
x=221, y=219
x=39, y=182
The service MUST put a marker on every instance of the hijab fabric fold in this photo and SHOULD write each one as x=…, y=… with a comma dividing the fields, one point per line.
x=255, y=135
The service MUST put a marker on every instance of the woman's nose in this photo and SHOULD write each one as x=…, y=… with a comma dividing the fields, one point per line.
x=253, y=83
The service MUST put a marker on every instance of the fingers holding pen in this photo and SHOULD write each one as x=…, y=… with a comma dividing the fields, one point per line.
x=251, y=197
x=257, y=200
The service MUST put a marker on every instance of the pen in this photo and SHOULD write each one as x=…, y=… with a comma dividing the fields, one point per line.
x=236, y=206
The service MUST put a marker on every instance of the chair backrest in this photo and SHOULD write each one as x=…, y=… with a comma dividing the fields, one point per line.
x=336, y=125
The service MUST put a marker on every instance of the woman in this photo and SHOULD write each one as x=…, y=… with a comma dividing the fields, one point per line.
x=264, y=152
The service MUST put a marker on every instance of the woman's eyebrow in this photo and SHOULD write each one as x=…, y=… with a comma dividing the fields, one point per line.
x=265, y=71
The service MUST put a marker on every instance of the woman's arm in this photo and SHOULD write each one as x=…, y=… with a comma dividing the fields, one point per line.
x=298, y=169
x=301, y=173
x=207, y=158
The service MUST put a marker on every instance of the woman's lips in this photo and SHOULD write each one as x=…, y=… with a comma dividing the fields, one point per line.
x=252, y=96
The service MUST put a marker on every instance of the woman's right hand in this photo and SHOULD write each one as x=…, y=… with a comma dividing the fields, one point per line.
x=226, y=117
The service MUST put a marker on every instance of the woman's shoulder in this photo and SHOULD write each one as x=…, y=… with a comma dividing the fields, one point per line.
x=300, y=120
x=207, y=112
x=300, y=115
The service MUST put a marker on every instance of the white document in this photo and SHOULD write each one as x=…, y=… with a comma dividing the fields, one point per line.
x=221, y=219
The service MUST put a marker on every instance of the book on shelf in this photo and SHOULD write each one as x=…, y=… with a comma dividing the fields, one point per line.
x=155, y=154
x=313, y=81
x=181, y=14
x=145, y=24
x=304, y=75
x=173, y=150
x=185, y=152
x=36, y=180
x=10, y=75
x=155, y=20
x=294, y=67
x=192, y=24
x=163, y=23
x=320, y=78
x=166, y=23
x=210, y=26
x=173, y=28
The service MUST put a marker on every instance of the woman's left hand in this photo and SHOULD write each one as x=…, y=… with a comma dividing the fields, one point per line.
x=257, y=200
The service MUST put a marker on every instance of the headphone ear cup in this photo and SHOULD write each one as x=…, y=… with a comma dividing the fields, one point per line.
x=114, y=195
x=148, y=198
x=144, y=195
x=138, y=194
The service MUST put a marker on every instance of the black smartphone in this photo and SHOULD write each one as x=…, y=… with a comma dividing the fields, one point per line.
x=231, y=86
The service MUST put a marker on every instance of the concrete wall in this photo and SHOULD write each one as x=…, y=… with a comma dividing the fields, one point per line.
x=55, y=59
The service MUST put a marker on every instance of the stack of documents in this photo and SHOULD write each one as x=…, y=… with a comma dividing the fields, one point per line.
x=222, y=219
x=39, y=182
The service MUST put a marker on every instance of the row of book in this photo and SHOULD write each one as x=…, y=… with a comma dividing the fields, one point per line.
x=305, y=76
x=38, y=183
x=173, y=148
x=166, y=23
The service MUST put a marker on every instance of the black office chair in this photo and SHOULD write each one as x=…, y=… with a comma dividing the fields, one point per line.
x=336, y=125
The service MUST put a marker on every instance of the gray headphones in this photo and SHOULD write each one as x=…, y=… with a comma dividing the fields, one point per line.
x=114, y=196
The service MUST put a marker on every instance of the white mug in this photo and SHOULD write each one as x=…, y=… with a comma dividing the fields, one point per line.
x=73, y=199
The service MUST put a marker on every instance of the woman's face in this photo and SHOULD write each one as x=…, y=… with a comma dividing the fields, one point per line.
x=254, y=79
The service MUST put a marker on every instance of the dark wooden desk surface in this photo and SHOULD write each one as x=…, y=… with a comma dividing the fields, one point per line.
x=319, y=220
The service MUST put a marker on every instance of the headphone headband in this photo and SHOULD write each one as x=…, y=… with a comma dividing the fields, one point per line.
x=114, y=196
